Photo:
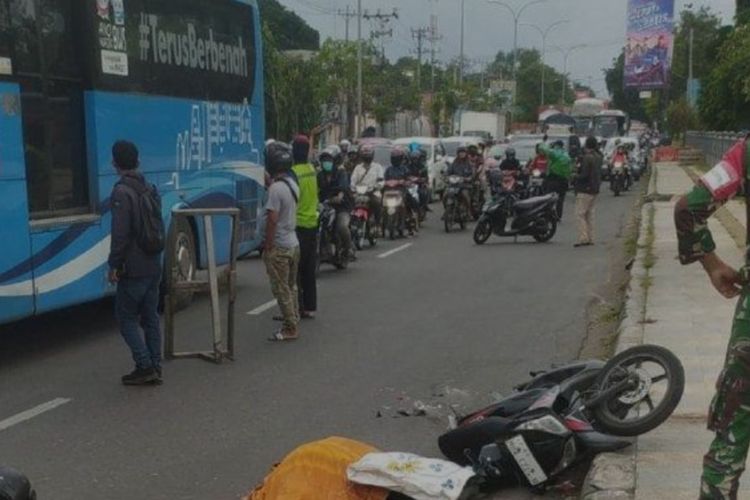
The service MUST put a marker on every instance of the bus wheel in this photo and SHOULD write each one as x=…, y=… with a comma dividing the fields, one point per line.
x=181, y=259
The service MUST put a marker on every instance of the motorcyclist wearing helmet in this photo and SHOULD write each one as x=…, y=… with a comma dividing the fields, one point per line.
x=475, y=157
x=398, y=169
x=463, y=168
x=510, y=162
x=371, y=175
x=333, y=186
x=344, y=146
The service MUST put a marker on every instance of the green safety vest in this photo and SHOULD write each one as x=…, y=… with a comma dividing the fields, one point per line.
x=307, y=207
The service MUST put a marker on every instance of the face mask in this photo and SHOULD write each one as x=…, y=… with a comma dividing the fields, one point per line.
x=327, y=166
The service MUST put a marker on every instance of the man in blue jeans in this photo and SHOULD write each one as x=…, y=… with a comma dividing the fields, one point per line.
x=136, y=272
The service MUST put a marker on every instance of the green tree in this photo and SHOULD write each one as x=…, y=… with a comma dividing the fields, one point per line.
x=290, y=31
x=681, y=117
x=743, y=12
x=706, y=26
x=725, y=99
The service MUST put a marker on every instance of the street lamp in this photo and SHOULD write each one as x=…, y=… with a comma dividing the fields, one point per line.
x=516, y=13
x=544, y=33
x=566, y=53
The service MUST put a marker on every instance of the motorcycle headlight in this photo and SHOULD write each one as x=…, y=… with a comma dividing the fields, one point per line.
x=547, y=423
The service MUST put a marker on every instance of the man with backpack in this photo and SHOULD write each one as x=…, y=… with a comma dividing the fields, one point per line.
x=135, y=263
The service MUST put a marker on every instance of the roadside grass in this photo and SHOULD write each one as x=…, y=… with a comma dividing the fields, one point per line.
x=605, y=312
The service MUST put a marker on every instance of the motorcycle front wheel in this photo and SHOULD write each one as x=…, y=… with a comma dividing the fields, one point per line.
x=483, y=231
x=358, y=235
x=633, y=411
x=448, y=220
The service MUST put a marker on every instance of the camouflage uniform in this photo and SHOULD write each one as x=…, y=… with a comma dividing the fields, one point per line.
x=729, y=415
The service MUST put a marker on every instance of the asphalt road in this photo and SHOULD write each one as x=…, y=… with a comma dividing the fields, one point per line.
x=391, y=329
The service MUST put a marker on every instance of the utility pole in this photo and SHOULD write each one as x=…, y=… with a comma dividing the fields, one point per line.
x=433, y=39
x=419, y=34
x=348, y=15
x=461, y=57
x=381, y=32
x=359, y=67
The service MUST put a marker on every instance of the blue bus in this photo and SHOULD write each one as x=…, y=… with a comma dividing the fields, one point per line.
x=182, y=79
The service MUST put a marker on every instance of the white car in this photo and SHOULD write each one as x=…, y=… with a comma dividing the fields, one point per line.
x=437, y=165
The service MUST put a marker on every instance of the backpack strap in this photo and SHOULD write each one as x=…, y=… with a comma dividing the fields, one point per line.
x=291, y=189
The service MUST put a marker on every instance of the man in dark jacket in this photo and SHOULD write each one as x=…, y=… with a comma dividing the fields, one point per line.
x=136, y=273
x=333, y=187
x=587, y=184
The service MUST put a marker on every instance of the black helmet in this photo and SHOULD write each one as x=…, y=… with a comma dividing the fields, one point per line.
x=278, y=158
x=367, y=153
x=510, y=153
x=461, y=149
x=415, y=154
x=397, y=156
x=14, y=485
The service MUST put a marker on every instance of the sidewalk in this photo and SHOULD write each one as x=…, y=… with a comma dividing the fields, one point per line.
x=674, y=306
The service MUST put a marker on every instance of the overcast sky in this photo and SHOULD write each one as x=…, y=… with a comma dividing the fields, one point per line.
x=489, y=28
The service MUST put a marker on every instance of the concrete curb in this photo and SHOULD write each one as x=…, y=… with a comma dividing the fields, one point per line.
x=614, y=475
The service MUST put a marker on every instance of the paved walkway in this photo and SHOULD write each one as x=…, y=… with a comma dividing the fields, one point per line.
x=685, y=314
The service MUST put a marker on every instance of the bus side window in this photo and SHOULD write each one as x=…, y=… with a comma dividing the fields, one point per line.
x=51, y=81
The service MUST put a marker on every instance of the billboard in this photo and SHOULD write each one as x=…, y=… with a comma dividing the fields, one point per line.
x=648, y=49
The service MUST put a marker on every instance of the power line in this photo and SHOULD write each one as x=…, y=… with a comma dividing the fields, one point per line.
x=348, y=15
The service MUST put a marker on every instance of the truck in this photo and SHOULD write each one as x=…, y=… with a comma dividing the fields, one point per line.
x=489, y=126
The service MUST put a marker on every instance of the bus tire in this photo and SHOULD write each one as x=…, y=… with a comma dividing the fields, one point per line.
x=181, y=259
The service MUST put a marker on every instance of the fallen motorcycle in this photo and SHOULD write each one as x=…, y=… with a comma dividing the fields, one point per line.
x=507, y=215
x=563, y=415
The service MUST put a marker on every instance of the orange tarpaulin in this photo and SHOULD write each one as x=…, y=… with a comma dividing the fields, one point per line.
x=317, y=471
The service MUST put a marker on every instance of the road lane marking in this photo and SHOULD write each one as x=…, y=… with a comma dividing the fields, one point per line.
x=33, y=412
x=262, y=308
x=395, y=250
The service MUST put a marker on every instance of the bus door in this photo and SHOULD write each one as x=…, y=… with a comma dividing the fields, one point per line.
x=16, y=282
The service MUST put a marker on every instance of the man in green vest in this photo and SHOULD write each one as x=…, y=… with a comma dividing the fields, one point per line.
x=307, y=226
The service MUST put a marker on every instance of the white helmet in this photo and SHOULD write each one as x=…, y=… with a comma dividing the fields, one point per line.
x=344, y=145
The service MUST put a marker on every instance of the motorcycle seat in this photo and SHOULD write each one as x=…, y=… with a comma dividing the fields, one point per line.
x=534, y=202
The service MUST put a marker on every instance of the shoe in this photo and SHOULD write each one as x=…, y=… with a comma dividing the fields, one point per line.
x=307, y=315
x=159, y=379
x=140, y=376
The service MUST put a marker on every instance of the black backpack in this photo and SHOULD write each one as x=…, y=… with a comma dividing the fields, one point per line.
x=150, y=234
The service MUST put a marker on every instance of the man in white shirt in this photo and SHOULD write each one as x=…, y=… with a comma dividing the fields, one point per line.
x=370, y=174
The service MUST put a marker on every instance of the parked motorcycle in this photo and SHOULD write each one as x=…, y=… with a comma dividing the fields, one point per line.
x=508, y=215
x=329, y=247
x=394, y=209
x=564, y=415
x=362, y=222
x=454, y=212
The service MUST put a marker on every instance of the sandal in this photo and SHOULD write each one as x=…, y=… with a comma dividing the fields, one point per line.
x=307, y=315
x=280, y=337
